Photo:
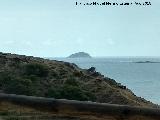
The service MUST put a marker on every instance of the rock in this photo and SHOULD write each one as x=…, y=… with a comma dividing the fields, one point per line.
x=92, y=69
x=122, y=86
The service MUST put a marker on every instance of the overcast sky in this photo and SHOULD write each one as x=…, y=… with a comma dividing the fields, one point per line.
x=58, y=28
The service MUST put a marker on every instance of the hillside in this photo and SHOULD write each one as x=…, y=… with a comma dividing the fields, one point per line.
x=80, y=55
x=27, y=75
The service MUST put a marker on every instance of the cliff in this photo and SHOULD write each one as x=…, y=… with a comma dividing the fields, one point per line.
x=27, y=75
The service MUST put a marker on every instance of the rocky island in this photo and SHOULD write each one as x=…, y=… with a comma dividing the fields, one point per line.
x=33, y=76
x=80, y=55
x=147, y=62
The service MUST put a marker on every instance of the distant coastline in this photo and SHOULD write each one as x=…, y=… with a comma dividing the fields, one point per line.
x=146, y=62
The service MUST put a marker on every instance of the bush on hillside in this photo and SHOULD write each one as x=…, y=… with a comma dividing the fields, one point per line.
x=36, y=69
x=72, y=91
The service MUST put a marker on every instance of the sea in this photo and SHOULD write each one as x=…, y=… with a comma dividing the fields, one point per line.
x=139, y=75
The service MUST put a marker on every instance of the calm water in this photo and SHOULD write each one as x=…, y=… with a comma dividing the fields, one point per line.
x=142, y=78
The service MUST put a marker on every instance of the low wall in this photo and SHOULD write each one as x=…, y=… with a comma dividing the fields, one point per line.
x=72, y=107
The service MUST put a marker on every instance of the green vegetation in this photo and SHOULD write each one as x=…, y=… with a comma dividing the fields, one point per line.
x=72, y=91
x=17, y=85
x=28, y=81
x=35, y=69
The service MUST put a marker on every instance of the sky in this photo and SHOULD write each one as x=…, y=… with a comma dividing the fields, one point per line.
x=58, y=28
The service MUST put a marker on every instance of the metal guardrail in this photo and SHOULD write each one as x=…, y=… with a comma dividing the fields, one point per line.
x=79, y=107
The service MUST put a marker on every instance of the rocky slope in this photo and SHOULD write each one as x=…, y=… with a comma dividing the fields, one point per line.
x=29, y=75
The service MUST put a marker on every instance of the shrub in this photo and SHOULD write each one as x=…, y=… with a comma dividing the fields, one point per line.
x=54, y=74
x=71, y=90
x=36, y=69
x=54, y=92
x=78, y=73
x=71, y=81
x=5, y=78
x=20, y=86
x=73, y=93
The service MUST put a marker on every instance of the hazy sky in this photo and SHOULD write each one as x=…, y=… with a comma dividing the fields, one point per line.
x=58, y=28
